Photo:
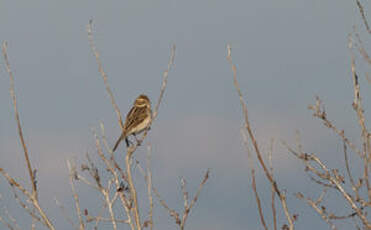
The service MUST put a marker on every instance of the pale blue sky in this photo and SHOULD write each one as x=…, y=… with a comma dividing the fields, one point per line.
x=286, y=52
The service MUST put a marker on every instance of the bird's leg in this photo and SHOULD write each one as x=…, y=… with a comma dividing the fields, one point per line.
x=139, y=142
x=127, y=142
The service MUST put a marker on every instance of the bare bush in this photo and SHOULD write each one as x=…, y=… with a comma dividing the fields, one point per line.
x=355, y=191
x=112, y=180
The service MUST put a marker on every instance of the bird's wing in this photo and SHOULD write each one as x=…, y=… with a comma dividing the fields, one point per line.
x=135, y=116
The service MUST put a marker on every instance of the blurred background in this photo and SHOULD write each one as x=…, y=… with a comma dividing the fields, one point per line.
x=286, y=52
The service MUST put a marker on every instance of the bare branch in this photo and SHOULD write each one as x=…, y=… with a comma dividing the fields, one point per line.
x=89, y=29
x=187, y=209
x=363, y=15
x=273, y=194
x=333, y=177
x=20, y=132
x=360, y=47
x=66, y=216
x=321, y=114
x=357, y=106
x=149, y=186
x=99, y=218
x=321, y=211
x=172, y=212
x=7, y=224
x=253, y=182
x=258, y=200
x=281, y=196
x=30, y=196
x=164, y=81
x=73, y=176
x=133, y=191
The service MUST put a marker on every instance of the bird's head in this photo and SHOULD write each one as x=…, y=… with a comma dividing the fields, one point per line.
x=142, y=100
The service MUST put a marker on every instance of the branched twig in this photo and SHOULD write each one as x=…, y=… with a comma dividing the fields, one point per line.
x=34, y=202
x=29, y=210
x=357, y=106
x=172, y=212
x=187, y=206
x=112, y=155
x=334, y=178
x=320, y=210
x=187, y=209
x=281, y=196
x=32, y=196
x=7, y=224
x=321, y=114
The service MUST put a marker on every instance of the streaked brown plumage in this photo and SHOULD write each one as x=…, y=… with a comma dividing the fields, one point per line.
x=137, y=120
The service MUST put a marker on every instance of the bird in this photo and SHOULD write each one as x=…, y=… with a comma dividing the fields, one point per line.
x=137, y=120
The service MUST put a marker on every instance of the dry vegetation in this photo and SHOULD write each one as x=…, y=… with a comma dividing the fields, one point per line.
x=355, y=191
x=113, y=180
x=117, y=188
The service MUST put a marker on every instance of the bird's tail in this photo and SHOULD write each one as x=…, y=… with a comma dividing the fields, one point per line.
x=118, y=142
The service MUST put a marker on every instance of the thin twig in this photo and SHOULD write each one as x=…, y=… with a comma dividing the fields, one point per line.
x=112, y=155
x=72, y=177
x=164, y=81
x=35, y=202
x=171, y=212
x=281, y=196
x=20, y=132
x=133, y=192
x=159, y=100
x=99, y=218
x=110, y=168
x=354, y=187
x=30, y=211
x=258, y=199
x=126, y=204
x=149, y=186
x=334, y=179
x=66, y=216
x=360, y=47
x=7, y=224
x=321, y=114
x=105, y=192
x=320, y=211
x=253, y=182
x=184, y=190
x=101, y=71
x=188, y=209
x=363, y=15
x=357, y=106
x=273, y=194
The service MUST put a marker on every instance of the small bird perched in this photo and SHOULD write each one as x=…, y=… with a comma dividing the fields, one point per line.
x=137, y=120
